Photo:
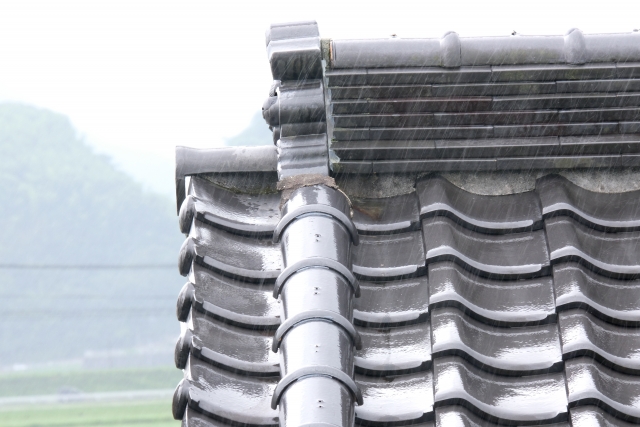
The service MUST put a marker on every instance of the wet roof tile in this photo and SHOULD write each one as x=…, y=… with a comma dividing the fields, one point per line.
x=592, y=416
x=402, y=399
x=385, y=350
x=392, y=302
x=498, y=349
x=614, y=346
x=482, y=213
x=389, y=256
x=494, y=301
x=231, y=254
x=386, y=215
x=609, y=253
x=613, y=211
x=590, y=382
x=233, y=348
x=514, y=255
x=615, y=300
x=254, y=215
x=227, y=396
x=539, y=398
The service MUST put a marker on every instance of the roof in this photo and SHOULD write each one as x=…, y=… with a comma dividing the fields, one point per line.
x=322, y=291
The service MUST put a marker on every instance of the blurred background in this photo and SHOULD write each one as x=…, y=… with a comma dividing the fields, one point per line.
x=94, y=96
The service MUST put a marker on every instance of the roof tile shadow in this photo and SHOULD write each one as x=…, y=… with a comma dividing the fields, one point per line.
x=496, y=302
x=507, y=351
x=393, y=302
x=511, y=256
x=488, y=214
x=602, y=211
x=526, y=400
x=611, y=254
x=590, y=383
x=615, y=301
x=387, y=351
x=614, y=346
x=389, y=256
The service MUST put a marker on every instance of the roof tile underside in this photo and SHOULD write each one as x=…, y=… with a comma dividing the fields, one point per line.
x=479, y=337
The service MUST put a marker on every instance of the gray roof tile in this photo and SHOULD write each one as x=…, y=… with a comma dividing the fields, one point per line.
x=506, y=256
x=459, y=416
x=386, y=215
x=610, y=254
x=392, y=349
x=230, y=254
x=493, y=214
x=493, y=301
x=402, y=399
x=590, y=383
x=592, y=416
x=613, y=212
x=497, y=349
x=537, y=398
x=232, y=348
x=393, y=302
x=616, y=301
x=372, y=260
x=254, y=215
x=226, y=396
x=615, y=346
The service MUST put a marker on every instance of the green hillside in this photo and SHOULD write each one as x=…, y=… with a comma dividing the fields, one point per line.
x=61, y=205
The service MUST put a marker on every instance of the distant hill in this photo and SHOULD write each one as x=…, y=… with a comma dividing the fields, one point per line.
x=256, y=133
x=63, y=205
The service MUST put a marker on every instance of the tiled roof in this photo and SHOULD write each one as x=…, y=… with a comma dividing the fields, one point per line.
x=307, y=305
x=467, y=315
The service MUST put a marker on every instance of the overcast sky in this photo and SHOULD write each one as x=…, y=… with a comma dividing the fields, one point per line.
x=138, y=77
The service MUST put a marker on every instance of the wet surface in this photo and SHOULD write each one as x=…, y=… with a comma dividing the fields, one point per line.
x=495, y=301
x=613, y=254
x=254, y=215
x=517, y=212
x=396, y=399
x=230, y=396
x=531, y=398
x=392, y=302
x=394, y=349
x=613, y=212
x=506, y=350
x=588, y=382
x=389, y=256
x=615, y=346
x=514, y=255
x=617, y=301
x=386, y=215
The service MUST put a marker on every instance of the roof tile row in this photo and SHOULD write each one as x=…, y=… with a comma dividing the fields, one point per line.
x=495, y=355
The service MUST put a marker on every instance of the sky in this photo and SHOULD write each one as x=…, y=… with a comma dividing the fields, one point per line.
x=139, y=77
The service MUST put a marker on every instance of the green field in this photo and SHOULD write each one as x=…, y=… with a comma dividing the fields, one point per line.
x=30, y=383
x=138, y=414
